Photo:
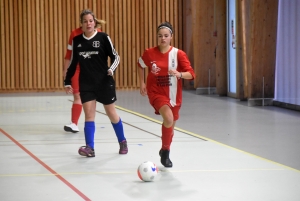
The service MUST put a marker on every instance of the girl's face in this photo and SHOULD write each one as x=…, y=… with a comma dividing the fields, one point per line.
x=164, y=37
x=88, y=24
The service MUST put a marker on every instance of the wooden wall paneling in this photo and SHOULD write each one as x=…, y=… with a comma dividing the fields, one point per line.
x=7, y=59
x=221, y=47
x=133, y=48
x=104, y=15
x=46, y=46
x=135, y=43
x=170, y=10
x=51, y=46
x=25, y=38
x=94, y=2
x=158, y=11
x=163, y=9
x=43, y=46
x=30, y=45
x=55, y=44
x=121, y=45
x=196, y=43
x=146, y=17
x=129, y=54
x=151, y=25
x=145, y=31
x=67, y=18
x=72, y=17
x=61, y=44
x=36, y=65
x=37, y=16
x=109, y=9
x=263, y=57
x=124, y=66
x=269, y=50
x=33, y=36
x=16, y=74
x=76, y=11
x=179, y=21
x=2, y=39
x=11, y=46
x=175, y=24
x=243, y=44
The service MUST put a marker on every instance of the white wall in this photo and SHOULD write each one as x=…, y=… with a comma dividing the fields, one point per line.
x=287, y=76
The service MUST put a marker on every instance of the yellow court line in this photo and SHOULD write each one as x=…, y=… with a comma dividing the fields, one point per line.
x=134, y=172
x=208, y=139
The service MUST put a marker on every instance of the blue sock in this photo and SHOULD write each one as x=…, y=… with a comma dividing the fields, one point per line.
x=118, y=127
x=89, y=132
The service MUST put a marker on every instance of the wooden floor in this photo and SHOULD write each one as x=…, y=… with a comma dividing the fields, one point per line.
x=222, y=150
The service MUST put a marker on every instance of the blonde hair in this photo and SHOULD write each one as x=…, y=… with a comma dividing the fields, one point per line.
x=98, y=23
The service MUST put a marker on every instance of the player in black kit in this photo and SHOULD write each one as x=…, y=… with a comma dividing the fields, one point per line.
x=91, y=50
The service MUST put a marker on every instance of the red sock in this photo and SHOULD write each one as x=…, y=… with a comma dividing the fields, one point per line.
x=166, y=137
x=76, y=111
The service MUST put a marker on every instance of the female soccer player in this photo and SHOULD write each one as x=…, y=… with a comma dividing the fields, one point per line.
x=77, y=105
x=167, y=66
x=91, y=50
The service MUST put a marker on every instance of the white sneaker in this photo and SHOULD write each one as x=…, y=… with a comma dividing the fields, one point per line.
x=71, y=128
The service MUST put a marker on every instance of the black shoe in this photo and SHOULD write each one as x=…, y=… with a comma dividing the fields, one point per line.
x=164, y=158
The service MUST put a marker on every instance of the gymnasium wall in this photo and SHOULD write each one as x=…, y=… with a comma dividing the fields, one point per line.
x=34, y=36
x=287, y=90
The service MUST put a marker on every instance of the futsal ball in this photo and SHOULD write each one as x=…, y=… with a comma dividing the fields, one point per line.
x=147, y=171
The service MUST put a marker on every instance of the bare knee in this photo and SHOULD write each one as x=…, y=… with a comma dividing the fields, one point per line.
x=112, y=113
x=77, y=99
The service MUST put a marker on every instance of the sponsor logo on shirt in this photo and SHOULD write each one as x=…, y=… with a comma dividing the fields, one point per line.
x=87, y=55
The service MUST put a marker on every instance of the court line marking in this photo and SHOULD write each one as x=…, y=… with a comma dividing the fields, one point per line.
x=134, y=172
x=46, y=166
x=206, y=139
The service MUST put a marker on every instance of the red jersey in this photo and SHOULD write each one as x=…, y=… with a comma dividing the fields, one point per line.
x=159, y=82
x=74, y=33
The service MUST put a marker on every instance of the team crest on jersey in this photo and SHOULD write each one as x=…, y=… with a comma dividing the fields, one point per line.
x=154, y=68
x=96, y=44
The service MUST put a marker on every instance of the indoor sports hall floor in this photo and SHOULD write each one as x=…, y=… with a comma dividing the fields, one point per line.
x=223, y=150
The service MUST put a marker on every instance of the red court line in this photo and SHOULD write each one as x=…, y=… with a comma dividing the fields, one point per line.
x=46, y=166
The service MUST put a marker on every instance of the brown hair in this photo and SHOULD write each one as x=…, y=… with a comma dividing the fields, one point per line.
x=98, y=23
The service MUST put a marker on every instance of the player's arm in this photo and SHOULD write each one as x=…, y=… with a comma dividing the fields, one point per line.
x=66, y=66
x=113, y=54
x=71, y=70
x=141, y=69
x=68, y=54
x=185, y=69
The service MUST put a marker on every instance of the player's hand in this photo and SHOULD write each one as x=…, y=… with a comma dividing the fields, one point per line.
x=143, y=89
x=110, y=72
x=175, y=73
x=68, y=89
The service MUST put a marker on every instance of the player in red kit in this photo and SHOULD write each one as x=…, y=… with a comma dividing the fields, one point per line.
x=167, y=65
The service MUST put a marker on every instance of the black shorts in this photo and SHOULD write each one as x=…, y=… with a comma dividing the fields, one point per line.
x=105, y=94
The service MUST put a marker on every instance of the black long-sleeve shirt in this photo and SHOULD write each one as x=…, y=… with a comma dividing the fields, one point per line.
x=92, y=54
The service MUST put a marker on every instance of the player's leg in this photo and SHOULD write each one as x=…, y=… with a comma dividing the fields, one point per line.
x=118, y=127
x=167, y=134
x=89, y=107
x=76, y=106
x=107, y=96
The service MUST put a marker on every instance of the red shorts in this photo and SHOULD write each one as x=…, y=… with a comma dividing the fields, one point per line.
x=158, y=103
x=75, y=81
